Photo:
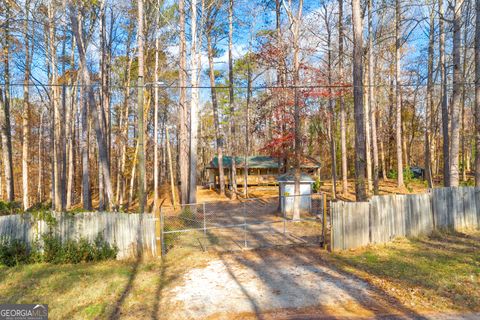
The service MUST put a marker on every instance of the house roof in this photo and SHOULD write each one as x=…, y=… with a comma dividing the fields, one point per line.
x=259, y=162
x=290, y=177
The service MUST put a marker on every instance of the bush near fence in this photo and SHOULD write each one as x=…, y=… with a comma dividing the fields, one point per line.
x=383, y=218
x=130, y=233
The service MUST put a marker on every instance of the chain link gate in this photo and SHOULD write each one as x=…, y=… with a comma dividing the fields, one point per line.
x=245, y=223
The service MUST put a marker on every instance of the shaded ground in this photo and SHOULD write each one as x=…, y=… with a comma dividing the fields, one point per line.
x=432, y=277
x=257, y=283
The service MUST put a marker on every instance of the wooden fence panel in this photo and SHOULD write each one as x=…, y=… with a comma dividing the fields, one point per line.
x=442, y=203
x=349, y=225
x=469, y=208
x=419, y=220
x=458, y=213
x=131, y=233
x=382, y=224
x=400, y=215
x=477, y=204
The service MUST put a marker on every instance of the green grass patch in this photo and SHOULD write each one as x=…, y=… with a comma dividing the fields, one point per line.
x=98, y=290
x=445, y=266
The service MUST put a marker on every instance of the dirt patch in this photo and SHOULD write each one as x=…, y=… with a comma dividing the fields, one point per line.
x=265, y=283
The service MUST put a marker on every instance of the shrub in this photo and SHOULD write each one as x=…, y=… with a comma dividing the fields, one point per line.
x=14, y=252
x=468, y=183
x=77, y=251
x=52, y=246
x=317, y=185
x=103, y=250
x=7, y=208
x=392, y=174
x=45, y=215
x=40, y=206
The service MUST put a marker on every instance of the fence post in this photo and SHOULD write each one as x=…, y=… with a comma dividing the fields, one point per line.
x=204, y=221
x=158, y=232
x=162, y=226
x=245, y=225
x=324, y=222
x=331, y=226
x=282, y=207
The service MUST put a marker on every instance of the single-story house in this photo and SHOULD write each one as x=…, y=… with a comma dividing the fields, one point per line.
x=262, y=170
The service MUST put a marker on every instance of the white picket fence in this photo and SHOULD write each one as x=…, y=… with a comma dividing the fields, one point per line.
x=131, y=233
x=356, y=224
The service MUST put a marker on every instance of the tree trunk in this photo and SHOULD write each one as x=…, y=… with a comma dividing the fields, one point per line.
x=124, y=116
x=247, y=129
x=477, y=93
x=231, y=102
x=373, y=100
x=295, y=23
x=102, y=146
x=84, y=146
x=103, y=101
x=70, y=130
x=6, y=132
x=62, y=131
x=367, y=107
x=456, y=96
x=398, y=98
x=156, y=203
x=140, y=106
x=170, y=167
x=40, y=159
x=216, y=121
x=430, y=102
x=464, y=92
x=183, y=119
x=445, y=112
x=360, y=172
x=195, y=99
x=343, y=113
x=26, y=110
x=331, y=118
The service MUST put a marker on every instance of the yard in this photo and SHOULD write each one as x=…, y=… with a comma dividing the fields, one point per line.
x=440, y=273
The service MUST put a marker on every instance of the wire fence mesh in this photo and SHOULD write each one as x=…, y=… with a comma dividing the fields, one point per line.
x=245, y=223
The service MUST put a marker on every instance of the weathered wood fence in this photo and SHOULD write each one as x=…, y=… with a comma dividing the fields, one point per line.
x=355, y=224
x=131, y=233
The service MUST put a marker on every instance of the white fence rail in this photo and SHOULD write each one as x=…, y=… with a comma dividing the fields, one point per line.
x=355, y=224
x=131, y=233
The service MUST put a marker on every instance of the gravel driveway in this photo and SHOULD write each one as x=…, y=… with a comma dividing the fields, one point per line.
x=273, y=284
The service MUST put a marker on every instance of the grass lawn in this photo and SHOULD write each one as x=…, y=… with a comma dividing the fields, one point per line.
x=111, y=289
x=439, y=272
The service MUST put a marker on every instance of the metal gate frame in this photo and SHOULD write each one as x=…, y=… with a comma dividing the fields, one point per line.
x=202, y=225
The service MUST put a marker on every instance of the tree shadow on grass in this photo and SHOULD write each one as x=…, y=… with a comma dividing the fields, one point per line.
x=435, y=263
x=126, y=291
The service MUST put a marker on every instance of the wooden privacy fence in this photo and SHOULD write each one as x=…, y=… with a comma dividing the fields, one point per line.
x=131, y=233
x=356, y=224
